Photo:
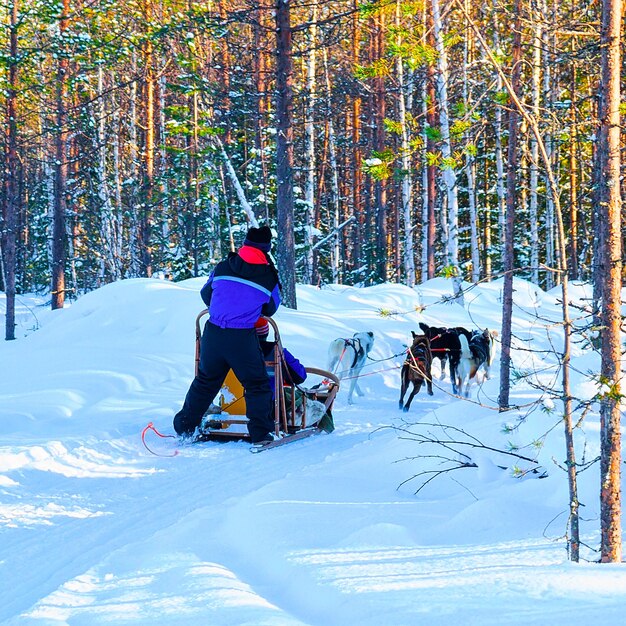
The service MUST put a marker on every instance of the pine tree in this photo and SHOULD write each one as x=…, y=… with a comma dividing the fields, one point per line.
x=608, y=165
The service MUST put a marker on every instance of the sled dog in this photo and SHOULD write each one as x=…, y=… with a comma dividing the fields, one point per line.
x=416, y=370
x=476, y=353
x=346, y=358
x=445, y=345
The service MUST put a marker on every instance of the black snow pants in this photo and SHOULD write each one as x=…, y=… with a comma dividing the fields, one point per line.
x=222, y=349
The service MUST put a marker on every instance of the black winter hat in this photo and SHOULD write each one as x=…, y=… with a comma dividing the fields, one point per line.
x=260, y=238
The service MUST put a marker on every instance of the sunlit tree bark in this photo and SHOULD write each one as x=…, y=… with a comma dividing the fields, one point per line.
x=11, y=206
x=284, y=154
x=608, y=164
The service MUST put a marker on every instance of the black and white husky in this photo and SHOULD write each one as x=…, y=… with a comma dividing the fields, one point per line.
x=346, y=358
x=476, y=353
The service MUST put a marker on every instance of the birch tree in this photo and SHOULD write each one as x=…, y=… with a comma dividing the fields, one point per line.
x=108, y=228
x=448, y=162
x=499, y=155
x=405, y=156
x=335, y=257
x=470, y=165
x=309, y=125
x=429, y=192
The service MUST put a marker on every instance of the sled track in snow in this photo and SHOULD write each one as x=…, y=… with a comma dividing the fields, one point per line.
x=207, y=475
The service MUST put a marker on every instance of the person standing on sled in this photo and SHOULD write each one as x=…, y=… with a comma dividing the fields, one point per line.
x=242, y=287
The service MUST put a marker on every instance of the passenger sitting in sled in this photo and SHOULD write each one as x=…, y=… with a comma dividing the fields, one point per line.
x=293, y=370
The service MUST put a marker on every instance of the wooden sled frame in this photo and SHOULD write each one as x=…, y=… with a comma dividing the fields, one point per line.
x=286, y=420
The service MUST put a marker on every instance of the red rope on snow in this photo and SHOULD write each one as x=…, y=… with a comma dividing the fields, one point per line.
x=150, y=426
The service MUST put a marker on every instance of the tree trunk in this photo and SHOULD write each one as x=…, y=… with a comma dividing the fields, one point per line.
x=309, y=131
x=59, y=235
x=149, y=90
x=573, y=166
x=426, y=205
x=407, y=184
x=117, y=178
x=473, y=216
x=11, y=207
x=358, y=191
x=284, y=154
x=193, y=168
x=611, y=272
x=164, y=228
x=534, y=157
x=431, y=170
x=234, y=179
x=335, y=257
x=225, y=71
x=107, y=219
x=511, y=200
x=487, y=219
x=380, y=185
x=549, y=212
x=470, y=165
x=500, y=176
x=449, y=174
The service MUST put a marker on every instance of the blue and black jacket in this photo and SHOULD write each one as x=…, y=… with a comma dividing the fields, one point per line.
x=241, y=288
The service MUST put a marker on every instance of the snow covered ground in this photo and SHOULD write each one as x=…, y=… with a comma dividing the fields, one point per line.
x=325, y=531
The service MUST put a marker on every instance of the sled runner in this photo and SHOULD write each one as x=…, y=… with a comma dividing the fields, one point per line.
x=298, y=411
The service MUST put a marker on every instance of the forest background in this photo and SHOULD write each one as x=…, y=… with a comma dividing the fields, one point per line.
x=383, y=140
x=141, y=137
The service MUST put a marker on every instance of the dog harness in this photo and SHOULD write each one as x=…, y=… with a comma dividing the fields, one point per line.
x=479, y=348
x=358, y=352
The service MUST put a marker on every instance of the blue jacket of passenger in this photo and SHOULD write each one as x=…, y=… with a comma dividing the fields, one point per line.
x=295, y=372
x=241, y=288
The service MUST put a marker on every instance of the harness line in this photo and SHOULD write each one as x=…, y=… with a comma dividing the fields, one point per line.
x=393, y=356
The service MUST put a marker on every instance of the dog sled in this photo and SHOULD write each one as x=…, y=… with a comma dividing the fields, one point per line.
x=299, y=411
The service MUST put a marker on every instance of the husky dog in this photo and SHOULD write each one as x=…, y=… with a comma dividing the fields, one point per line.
x=348, y=356
x=416, y=369
x=444, y=344
x=476, y=353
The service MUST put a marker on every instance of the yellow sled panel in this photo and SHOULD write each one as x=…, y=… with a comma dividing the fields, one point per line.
x=232, y=399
